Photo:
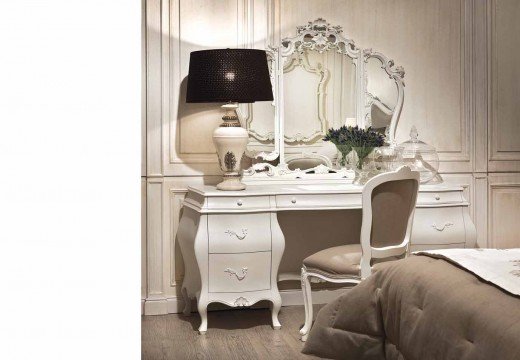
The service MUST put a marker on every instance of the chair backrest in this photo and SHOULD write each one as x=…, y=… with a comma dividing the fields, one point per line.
x=388, y=207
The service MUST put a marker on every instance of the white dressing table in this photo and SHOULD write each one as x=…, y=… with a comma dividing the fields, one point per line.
x=232, y=242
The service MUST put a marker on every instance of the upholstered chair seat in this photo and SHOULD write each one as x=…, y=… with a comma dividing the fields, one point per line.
x=344, y=260
x=338, y=260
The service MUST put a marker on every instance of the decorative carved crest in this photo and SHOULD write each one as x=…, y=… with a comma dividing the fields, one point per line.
x=242, y=301
x=319, y=35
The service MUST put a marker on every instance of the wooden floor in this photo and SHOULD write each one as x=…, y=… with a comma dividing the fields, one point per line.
x=232, y=334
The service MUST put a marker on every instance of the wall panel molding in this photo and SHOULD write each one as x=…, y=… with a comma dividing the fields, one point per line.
x=153, y=88
x=504, y=56
x=154, y=236
x=504, y=205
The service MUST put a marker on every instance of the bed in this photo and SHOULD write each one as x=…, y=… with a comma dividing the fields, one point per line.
x=424, y=307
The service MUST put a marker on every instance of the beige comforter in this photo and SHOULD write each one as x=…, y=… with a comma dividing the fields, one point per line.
x=417, y=309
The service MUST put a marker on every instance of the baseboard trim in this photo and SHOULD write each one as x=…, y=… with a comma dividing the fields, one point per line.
x=175, y=305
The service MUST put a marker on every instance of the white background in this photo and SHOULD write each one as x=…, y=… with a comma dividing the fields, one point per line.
x=70, y=97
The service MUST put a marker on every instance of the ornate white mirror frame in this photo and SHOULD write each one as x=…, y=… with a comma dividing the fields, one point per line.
x=319, y=36
x=396, y=73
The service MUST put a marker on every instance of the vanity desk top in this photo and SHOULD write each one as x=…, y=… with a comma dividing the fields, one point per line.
x=257, y=198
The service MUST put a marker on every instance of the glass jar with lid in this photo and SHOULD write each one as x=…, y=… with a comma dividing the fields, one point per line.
x=420, y=156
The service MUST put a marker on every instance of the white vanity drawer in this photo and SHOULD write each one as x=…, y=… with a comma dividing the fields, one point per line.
x=441, y=197
x=298, y=201
x=239, y=233
x=238, y=203
x=240, y=272
x=442, y=225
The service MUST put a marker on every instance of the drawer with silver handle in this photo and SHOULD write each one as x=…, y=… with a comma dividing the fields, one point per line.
x=438, y=226
x=239, y=233
x=439, y=198
x=302, y=201
x=244, y=203
x=240, y=272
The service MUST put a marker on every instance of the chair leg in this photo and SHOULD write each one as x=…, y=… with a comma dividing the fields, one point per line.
x=307, y=300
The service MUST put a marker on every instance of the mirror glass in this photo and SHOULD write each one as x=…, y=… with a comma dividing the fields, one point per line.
x=319, y=92
x=259, y=118
x=381, y=96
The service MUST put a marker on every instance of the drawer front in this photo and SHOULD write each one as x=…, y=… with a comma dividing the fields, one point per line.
x=318, y=201
x=441, y=197
x=240, y=272
x=438, y=226
x=239, y=233
x=239, y=203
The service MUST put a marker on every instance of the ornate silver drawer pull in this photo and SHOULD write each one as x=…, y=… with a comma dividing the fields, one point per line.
x=293, y=200
x=437, y=197
x=233, y=272
x=446, y=224
x=239, y=237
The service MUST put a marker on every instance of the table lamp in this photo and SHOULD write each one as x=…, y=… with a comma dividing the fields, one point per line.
x=229, y=76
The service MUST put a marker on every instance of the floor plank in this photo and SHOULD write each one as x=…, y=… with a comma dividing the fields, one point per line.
x=244, y=334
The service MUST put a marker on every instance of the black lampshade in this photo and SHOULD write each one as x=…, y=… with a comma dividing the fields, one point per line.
x=229, y=75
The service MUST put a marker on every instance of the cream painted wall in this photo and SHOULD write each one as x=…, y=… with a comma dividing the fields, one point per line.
x=449, y=49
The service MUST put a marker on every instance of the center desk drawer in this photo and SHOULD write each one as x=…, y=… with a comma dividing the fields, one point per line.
x=240, y=272
x=318, y=201
x=239, y=233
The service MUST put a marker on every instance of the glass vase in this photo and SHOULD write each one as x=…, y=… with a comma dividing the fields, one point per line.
x=364, y=164
x=344, y=151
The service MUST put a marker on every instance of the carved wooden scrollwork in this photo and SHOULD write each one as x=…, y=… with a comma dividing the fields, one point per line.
x=241, y=301
x=320, y=36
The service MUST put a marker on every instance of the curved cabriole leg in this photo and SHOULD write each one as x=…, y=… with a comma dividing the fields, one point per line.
x=202, y=307
x=277, y=248
x=187, y=302
x=275, y=309
x=307, y=301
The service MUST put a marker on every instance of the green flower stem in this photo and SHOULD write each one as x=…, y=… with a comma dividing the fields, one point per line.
x=362, y=153
x=344, y=150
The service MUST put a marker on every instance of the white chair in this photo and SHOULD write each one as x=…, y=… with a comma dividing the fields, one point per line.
x=388, y=202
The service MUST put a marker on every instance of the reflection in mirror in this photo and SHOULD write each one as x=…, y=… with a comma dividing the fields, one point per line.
x=381, y=95
x=307, y=162
x=319, y=93
x=259, y=118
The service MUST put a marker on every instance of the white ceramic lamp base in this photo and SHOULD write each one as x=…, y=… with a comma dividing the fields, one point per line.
x=230, y=140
